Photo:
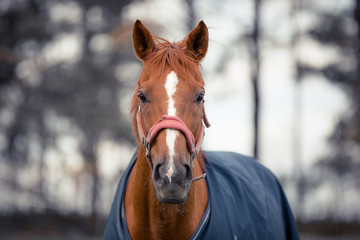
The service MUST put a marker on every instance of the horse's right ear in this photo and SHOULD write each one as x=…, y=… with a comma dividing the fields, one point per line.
x=143, y=41
x=197, y=41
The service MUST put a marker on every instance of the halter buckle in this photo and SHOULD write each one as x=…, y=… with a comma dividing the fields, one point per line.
x=147, y=150
x=192, y=162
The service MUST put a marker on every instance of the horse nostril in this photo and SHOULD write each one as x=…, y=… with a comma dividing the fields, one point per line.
x=188, y=171
x=156, y=171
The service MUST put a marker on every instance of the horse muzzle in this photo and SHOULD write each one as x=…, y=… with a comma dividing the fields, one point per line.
x=172, y=184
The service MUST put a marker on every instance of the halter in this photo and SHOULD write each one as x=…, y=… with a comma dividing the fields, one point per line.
x=172, y=122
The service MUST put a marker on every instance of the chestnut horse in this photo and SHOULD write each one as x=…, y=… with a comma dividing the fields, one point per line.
x=164, y=194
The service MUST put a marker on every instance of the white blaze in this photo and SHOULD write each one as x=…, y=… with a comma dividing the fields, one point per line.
x=170, y=173
x=170, y=86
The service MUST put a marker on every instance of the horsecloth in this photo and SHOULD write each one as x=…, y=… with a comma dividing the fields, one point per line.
x=246, y=201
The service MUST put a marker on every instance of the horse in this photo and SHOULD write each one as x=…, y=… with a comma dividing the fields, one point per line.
x=172, y=189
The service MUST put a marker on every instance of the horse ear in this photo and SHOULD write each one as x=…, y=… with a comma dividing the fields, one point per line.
x=143, y=41
x=197, y=41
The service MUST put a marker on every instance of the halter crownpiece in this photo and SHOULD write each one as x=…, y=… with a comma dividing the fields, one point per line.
x=172, y=122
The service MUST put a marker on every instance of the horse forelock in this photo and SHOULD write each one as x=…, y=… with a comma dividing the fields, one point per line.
x=175, y=56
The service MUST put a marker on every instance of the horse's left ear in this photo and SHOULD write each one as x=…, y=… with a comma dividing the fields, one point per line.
x=197, y=41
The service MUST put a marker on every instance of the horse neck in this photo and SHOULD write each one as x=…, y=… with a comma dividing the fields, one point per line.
x=147, y=218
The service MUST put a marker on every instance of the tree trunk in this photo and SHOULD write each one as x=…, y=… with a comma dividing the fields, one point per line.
x=297, y=122
x=90, y=155
x=255, y=76
x=357, y=80
x=191, y=13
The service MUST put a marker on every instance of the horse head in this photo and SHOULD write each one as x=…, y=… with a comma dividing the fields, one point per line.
x=168, y=107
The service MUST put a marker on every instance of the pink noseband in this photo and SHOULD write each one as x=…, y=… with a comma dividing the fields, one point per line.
x=171, y=122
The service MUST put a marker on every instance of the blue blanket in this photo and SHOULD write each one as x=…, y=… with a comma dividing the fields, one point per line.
x=246, y=202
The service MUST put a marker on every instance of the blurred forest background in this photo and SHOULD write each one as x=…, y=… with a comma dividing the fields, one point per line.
x=286, y=70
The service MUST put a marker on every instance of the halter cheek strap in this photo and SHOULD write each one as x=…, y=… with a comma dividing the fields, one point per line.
x=171, y=122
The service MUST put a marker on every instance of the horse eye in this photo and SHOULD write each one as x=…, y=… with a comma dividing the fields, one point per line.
x=142, y=97
x=200, y=98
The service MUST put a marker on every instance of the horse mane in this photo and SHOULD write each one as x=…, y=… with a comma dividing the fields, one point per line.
x=173, y=55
